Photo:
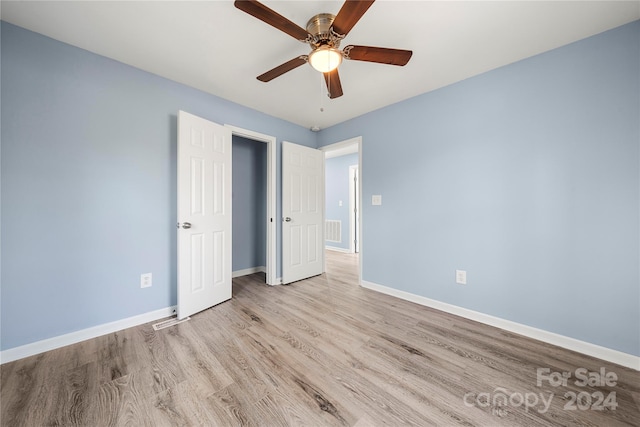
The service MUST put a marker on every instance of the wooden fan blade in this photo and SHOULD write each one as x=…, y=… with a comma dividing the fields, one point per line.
x=263, y=13
x=333, y=83
x=380, y=55
x=349, y=14
x=284, y=68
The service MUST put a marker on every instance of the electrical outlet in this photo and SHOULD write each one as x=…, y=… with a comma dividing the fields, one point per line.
x=461, y=277
x=145, y=280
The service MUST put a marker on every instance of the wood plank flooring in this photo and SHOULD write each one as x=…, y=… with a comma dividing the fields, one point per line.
x=323, y=351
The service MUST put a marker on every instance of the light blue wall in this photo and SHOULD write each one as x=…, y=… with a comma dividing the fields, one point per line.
x=528, y=178
x=337, y=189
x=89, y=185
x=249, y=203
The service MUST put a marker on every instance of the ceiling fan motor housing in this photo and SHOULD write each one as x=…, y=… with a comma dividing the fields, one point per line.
x=321, y=33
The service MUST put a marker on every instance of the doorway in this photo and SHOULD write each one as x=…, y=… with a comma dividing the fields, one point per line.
x=343, y=189
x=249, y=206
x=270, y=198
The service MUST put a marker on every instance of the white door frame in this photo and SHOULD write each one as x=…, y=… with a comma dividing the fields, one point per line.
x=271, y=195
x=344, y=145
x=354, y=238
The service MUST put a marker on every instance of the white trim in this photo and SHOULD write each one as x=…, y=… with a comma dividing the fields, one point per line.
x=48, y=344
x=353, y=174
x=604, y=353
x=348, y=146
x=334, y=248
x=247, y=271
x=271, y=195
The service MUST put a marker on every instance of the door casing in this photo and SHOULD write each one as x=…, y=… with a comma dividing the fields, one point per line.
x=354, y=209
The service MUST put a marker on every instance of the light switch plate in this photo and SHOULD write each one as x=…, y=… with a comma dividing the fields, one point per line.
x=376, y=200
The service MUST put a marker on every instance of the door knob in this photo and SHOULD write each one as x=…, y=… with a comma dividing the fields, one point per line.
x=287, y=219
x=186, y=225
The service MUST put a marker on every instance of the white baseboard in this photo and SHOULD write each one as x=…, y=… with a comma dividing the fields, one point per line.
x=333, y=248
x=604, y=353
x=247, y=271
x=38, y=347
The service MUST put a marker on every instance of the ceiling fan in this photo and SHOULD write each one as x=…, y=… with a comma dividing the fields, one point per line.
x=324, y=33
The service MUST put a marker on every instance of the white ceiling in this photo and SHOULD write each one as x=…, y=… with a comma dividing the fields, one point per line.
x=214, y=47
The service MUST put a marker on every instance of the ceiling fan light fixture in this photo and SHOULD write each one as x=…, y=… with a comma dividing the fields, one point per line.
x=325, y=59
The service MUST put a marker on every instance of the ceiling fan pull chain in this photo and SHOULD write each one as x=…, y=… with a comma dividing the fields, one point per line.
x=321, y=90
x=329, y=87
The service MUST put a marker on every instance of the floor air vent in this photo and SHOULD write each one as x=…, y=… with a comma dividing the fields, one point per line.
x=168, y=322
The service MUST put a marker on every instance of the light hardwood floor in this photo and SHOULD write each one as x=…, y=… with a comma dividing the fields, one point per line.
x=317, y=352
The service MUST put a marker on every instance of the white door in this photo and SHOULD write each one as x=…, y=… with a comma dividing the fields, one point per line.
x=302, y=212
x=204, y=214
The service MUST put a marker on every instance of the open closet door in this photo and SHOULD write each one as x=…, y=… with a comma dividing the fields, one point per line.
x=204, y=214
x=302, y=211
